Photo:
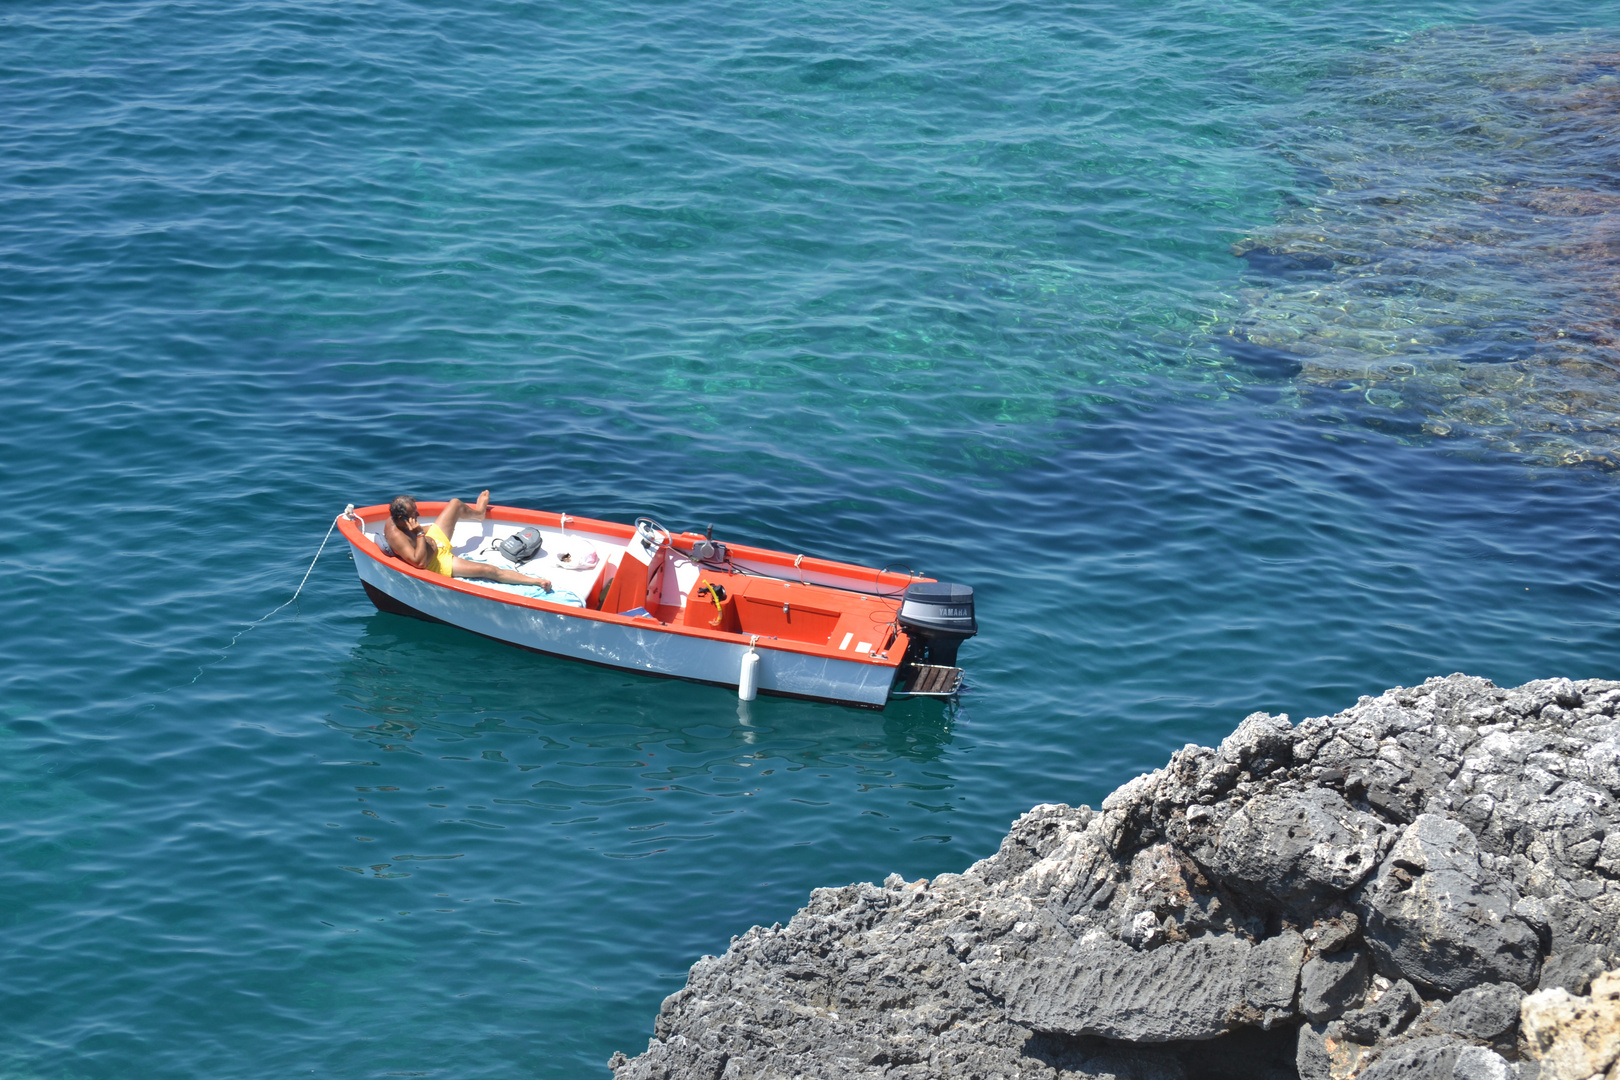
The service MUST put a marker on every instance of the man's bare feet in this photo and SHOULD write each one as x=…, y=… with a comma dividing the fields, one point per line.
x=481, y=507
x=466, y=568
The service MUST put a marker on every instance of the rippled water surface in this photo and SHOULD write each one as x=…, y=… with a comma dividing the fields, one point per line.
x=1242, y=356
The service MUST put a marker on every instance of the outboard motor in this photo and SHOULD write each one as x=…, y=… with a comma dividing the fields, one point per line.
x=939, y=617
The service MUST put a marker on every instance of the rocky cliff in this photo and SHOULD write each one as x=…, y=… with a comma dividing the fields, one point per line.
x=1366, y=895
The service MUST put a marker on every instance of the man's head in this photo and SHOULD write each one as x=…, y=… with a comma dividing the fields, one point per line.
x=402, y=510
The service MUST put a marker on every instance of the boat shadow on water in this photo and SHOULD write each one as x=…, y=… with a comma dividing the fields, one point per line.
x=412, y=687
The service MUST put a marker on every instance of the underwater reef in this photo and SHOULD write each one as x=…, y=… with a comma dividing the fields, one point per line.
x=1445, y=261
x=1372, y=894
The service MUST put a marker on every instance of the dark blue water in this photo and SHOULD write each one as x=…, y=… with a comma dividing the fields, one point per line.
x=946, y=286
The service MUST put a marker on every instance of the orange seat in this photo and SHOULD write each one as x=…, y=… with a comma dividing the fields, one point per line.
x=628, y=589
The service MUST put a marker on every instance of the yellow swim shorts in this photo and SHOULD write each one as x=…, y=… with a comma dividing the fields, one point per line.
x=442, y=558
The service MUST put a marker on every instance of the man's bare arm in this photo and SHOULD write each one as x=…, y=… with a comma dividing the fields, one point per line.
x=415, y=549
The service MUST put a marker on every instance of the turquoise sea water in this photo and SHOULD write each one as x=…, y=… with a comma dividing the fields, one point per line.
x=951, y=286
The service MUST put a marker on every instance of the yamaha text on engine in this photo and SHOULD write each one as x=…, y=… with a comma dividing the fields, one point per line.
x=938, y=617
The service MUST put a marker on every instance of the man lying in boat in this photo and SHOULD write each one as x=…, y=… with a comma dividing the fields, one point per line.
x=429, y=548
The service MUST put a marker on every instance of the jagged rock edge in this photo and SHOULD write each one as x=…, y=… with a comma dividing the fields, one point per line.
x=1157, y=936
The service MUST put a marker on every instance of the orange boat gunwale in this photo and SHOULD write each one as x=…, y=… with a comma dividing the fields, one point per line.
x=790, y=565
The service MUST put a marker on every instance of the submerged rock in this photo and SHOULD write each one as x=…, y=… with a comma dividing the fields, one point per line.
x=1395, y=298
x=1363, y=895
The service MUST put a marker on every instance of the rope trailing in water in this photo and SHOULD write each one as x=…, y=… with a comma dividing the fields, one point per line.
x=237, y=636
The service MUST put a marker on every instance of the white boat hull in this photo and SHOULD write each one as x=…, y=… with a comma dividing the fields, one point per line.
x=629, y=647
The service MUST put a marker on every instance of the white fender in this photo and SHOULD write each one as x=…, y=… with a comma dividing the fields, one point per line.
x=748, y=678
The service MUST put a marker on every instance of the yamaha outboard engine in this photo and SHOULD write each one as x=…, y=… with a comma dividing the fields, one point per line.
x=939, y=617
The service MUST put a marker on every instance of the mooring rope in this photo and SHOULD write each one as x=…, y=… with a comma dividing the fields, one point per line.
x=347, y=512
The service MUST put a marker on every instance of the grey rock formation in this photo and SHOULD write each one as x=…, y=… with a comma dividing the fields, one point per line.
x=1271, y=974
x=1180, y=991
x=1297, y=848
x=1384, y=1018
x=1218, y=917
x=1438, y=916
x=1328, y=985
x=1483, y=1013
x=1437, y=1057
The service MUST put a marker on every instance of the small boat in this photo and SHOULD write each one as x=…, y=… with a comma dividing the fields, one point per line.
x=684, y=605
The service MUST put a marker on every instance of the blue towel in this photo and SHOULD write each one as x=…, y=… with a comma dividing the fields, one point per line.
x=556, y=596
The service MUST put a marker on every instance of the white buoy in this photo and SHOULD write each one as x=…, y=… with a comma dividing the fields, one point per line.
x=748, y=678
